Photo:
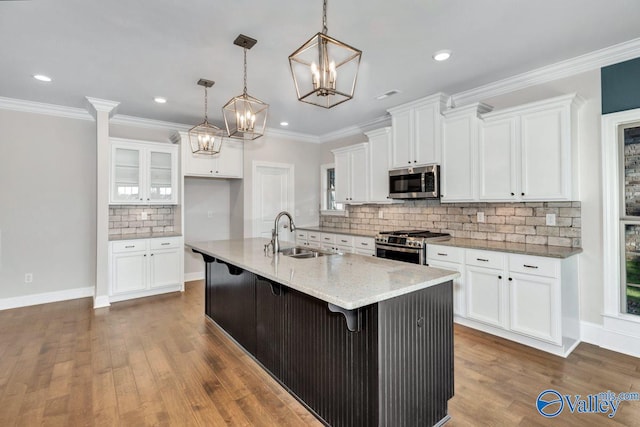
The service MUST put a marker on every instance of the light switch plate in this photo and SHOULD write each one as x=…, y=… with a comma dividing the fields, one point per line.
x=209, y=214
x=480, y=216
x=551, y=219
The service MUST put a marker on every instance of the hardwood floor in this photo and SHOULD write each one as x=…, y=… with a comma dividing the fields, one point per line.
x=157, y=361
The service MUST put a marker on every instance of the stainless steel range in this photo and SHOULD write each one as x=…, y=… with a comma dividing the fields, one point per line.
x=406, y=245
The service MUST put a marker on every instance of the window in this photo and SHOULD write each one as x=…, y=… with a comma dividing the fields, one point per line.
x=630, y=219
x=328, y=205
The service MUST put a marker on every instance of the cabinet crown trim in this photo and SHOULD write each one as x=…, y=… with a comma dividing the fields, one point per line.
x=350, y=147
x=439, y=97
x=378, y=132
x=569, y=100
x=479, y=108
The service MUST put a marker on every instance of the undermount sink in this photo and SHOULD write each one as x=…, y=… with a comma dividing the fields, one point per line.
x=298, y=252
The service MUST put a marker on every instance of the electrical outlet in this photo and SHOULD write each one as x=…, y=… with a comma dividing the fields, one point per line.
x=551, y=219
x=381, y=214
x=209, y=214
x=144, y=216
x=480, y=216
x=28, y=278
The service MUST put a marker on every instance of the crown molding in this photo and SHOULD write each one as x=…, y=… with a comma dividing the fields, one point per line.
x=42, y=108
x=304, y=137
x=120, y=119
x=580, y=64
x=356, y=130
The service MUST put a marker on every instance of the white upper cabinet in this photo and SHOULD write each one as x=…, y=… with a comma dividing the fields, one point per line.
x=416, y=132
x=143, y=173
x=228, y=163
x=529, y=153
x=459, y=139
x=379, y=148
x=497, y=159
x=352, y=173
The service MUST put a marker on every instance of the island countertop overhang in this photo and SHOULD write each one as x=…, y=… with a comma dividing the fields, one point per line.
x=349, y=281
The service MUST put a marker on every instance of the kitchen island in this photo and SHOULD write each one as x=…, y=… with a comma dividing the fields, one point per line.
x=360, y=341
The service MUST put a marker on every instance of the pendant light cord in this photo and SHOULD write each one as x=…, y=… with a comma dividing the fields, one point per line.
x=205, y=104
x=324, y=17
x=245, y=71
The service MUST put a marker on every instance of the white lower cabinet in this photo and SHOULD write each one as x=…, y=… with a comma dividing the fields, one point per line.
x=144, y=267
x=486, y=296
x=529, y=299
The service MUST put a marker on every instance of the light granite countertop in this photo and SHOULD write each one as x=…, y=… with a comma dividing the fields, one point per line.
x=515, y=248
x=115, y=237
x=347, y=280
x=347, y=231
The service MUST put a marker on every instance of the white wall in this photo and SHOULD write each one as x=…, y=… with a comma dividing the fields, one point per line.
x=204, y=196
x=47, y=203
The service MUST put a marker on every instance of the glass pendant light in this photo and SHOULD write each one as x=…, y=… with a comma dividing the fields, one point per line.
x=245, y=116
x=205, y=138
x=324, y=69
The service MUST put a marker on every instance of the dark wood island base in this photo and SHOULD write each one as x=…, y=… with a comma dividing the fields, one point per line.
x=385, y=364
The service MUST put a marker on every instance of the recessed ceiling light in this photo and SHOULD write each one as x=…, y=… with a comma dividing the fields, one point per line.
x=160, y=100
x=284, y=123
x=42, y=77
x=442, y=55
x=387, y=94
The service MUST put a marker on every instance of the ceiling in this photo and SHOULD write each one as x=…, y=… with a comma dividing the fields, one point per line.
x=130, y=51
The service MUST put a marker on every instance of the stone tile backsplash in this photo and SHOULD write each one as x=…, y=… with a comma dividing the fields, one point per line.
x=507, y=222
x=127, y=219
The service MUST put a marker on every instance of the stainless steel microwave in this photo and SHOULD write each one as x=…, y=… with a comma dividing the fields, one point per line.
x=415, y=183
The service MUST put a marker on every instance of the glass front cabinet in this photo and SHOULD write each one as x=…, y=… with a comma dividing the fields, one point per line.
x=143, y=173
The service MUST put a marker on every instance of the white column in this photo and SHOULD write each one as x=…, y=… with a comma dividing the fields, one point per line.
x=102, y=110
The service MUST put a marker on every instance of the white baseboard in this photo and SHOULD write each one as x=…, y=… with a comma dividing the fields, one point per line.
x=101, y=301
x=190, y=277
x=44, y=298
x=596, y=334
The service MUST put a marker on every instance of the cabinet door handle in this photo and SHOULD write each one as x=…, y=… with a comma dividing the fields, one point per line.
x=442, y=254
x=500, y=277
x=482, y=259
x=513, y=194
x=529, y=266
x=415, y=161
x=522, y=194
x=145, y=254
x=151, y=254
x=510, y=279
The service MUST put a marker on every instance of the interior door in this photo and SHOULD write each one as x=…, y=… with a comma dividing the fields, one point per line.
x=273, y=193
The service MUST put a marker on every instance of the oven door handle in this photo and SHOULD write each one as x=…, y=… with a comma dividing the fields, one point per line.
x=399, y=249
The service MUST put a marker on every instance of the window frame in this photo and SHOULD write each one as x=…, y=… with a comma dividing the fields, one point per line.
x=324, y=210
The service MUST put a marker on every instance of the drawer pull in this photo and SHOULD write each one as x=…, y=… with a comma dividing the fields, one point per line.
x=326, y=238
x=343, y=241
x=529, y=266
x=364, y=244
x=130, y=246
x=442, y=254
x=165, y=244
x=482, y=259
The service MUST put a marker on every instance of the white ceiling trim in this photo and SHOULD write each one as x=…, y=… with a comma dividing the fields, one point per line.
x=580, y=64
x=121, y=119
x=42, y=108
x=304, y=137
x=356, y=130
